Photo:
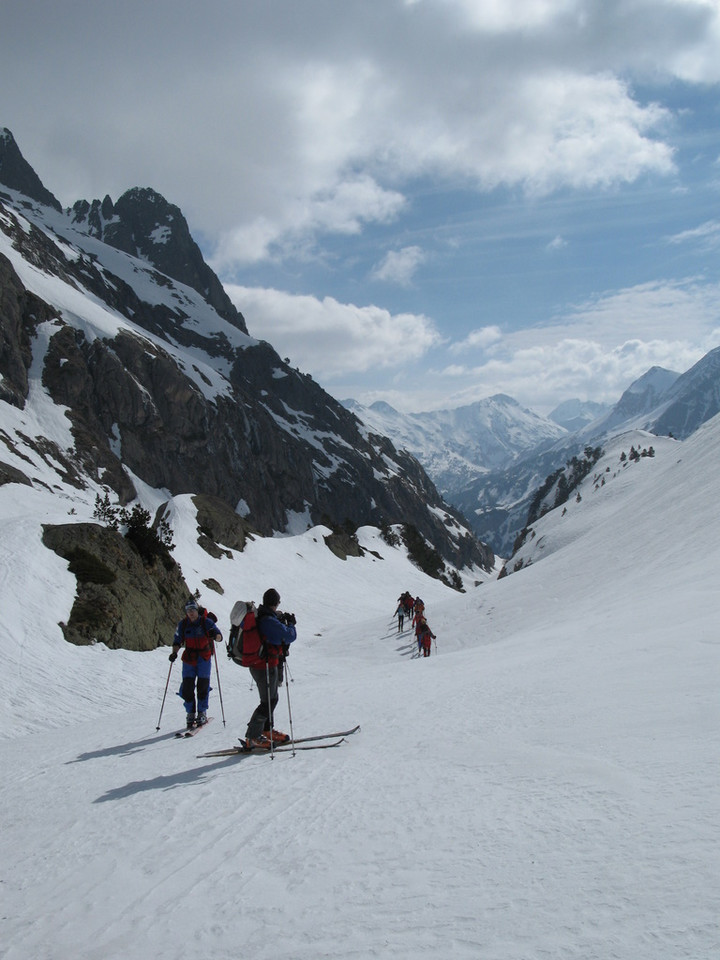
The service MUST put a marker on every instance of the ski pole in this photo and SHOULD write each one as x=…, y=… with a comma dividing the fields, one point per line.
x=270, y=710
x=167, y=684
x=287, y=691
x=217, y=674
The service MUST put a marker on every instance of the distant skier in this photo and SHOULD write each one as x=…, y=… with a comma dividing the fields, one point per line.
x=418, y=622
x=197, y=632
x=425, y=638
x=400, y=614
x=418, y=617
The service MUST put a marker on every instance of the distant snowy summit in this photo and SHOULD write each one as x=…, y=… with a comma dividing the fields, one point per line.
x=457, y=445
x=575, y=414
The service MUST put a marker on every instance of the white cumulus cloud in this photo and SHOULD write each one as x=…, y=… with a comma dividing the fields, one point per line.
x=330, y=339
x=399, y=266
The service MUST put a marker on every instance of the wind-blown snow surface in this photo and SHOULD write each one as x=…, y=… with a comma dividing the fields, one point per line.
x=544, y=786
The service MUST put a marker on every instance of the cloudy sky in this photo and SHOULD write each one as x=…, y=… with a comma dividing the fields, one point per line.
x=421, y=201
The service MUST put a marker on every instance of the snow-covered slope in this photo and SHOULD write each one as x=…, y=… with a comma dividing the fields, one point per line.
x=625, y=474
x=545, y=785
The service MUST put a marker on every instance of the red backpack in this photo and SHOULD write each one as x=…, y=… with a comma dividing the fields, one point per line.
x=245, y=646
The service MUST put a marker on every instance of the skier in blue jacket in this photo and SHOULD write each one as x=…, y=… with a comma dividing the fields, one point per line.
x=278, y=632
x=197, y=632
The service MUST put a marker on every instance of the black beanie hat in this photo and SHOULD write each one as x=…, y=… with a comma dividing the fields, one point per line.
x=271, y=598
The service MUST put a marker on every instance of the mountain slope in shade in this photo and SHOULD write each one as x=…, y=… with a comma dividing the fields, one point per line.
x=16, y=172
x=691, y=400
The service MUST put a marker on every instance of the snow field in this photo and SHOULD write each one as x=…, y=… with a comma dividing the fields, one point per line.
x=545, y=787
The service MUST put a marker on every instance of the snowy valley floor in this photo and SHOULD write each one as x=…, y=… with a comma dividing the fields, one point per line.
x=497, y=803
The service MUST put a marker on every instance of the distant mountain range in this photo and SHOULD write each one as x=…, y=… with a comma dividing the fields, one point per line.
x=456, y=446
x=489, y=459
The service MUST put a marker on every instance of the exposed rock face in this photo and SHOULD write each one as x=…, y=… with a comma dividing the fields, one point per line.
x=344, y=545
x=220, y=526
x=120, y=600
x=20, y=313
x=16, y=172
x=143, y=224
x=9, y=474
x=233, y=450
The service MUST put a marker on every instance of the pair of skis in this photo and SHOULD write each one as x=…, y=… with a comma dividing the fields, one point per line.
x=191, y=731
x=300, y=743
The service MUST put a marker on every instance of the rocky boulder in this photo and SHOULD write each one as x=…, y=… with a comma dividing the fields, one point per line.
x=121, y=601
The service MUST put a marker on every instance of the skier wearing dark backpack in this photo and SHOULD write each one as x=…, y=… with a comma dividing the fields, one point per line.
x=277, y=632
x=197, y=632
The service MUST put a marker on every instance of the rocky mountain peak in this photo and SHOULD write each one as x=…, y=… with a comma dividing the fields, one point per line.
x=16, y=172
x=144, y=224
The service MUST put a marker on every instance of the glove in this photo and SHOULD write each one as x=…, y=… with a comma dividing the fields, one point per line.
x=173, y=657
x=290, y=619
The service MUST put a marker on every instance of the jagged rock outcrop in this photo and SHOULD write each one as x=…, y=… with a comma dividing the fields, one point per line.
x=343, y=545
x=219, y=526
x=16, y=172
x=121, y=601
x=20, y=312
x=143, y=224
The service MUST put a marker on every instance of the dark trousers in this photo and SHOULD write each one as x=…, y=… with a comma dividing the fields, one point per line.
x=260, y=720
x=201, y=670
